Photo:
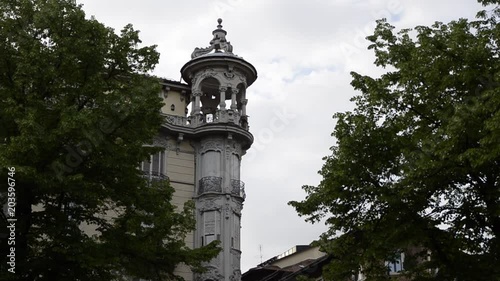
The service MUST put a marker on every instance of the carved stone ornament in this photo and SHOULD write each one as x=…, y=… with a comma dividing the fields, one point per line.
x=207, y=205
x=229, y=75
x=211, y=274
x=211, y=145
x=218, y=43
x=237, y=208
x=236, y=276
x=160, y=142
x=201, y=51
x=235, y=148
x=200, y=76
x=197, y=94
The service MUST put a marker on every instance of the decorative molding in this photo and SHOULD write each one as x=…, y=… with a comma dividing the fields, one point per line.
x=233, y=146
x=201, y=75
x=160, y=142
x=197, y=93
x=229, y=75
x=237, y=208
x=211, y=145
x=227, y=210
x=218, y=43
x=211, y=274
x=236, y=276
x=207, y=205
x=201, y=51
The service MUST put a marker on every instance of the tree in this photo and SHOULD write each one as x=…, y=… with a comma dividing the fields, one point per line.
x=76, y=108
x=416, y=166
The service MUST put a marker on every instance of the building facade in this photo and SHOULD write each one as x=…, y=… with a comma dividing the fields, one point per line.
x=204, y=137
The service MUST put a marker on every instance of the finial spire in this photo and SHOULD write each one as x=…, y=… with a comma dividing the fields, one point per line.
x=218, y=43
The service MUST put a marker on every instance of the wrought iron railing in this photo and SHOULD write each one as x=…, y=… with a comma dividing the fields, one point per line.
x=210, y=184
x=154, y=176
x=238, y=188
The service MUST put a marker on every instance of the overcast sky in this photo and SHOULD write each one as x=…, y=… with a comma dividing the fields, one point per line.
x=304, y=51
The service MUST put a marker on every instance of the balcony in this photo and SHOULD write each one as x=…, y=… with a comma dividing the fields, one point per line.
x=238, y=188
x=210, y=184
x=177, y=120
x=222, y=117
x=154, y=176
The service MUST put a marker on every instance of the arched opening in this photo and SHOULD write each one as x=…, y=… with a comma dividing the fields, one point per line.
x=210, y=100
x=241, y=105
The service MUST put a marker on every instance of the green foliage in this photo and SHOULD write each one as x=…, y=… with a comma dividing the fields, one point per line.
x=76, y=107
x=416, y=167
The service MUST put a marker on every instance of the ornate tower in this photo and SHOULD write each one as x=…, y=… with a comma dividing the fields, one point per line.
x=217, y=129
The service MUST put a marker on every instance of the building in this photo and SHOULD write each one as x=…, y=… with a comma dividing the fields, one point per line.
x=204, y=137
x=300, y=260
x=308, y=261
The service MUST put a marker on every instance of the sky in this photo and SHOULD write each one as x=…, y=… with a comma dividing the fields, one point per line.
x=304, y=51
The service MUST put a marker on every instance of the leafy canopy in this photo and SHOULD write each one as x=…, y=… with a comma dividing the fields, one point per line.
x=76, y=108
x=416, y=167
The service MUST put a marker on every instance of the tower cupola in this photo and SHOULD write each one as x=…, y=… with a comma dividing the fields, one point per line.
x=218, y=80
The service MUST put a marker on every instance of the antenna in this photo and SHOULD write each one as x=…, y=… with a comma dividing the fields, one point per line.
x=260, y=251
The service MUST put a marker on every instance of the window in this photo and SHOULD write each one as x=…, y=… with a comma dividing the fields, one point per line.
x=235, y=167
x=211, y=226
x=211, y=164
x=396, y=265
x=235, y=232
x=155, y=166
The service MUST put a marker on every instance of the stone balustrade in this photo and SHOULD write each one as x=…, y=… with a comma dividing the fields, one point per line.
x=221, y=116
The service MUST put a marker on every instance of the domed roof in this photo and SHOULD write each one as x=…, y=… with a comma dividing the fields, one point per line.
x=222, y=56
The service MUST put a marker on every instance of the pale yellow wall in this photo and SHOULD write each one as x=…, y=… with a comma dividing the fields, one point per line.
x=312, y=253
x=180, y=171
x=177, y=99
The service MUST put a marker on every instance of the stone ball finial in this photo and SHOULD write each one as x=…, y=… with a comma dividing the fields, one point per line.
x=220, y=22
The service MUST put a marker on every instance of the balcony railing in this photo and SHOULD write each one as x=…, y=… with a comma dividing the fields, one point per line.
x=154, y=176
x=210, y=184
x=238, y=188
x=226, y=116
x=177, y=120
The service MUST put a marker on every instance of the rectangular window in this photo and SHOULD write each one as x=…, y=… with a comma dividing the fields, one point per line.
x=211, y=225
x=210, y=164
x=155, y=165
x=396, y=266
x=235, y=167
x=235, y=232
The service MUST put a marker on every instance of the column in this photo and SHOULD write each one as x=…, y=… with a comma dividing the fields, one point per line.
x=244, y=107
x=192, y=104
x=222, y=104
x=197, y=102
x=233, y=98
